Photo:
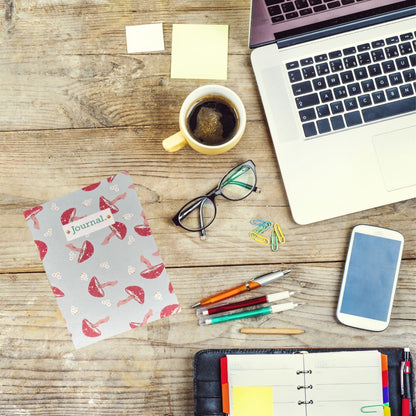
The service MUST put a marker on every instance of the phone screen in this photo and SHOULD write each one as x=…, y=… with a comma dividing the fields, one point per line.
x=371, y=275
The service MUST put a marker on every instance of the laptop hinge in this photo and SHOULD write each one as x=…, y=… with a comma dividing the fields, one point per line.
x=347, y=27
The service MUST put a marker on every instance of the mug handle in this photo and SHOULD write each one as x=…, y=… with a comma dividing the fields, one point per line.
x=174, y=142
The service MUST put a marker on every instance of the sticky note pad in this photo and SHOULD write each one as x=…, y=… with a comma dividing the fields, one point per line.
x=252, y=400
x=199, y=51
x=145, y=38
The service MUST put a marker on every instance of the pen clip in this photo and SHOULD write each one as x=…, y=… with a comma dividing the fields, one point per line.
x=402, y=367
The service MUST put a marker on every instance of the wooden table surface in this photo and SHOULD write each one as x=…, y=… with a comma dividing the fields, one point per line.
x=76, y=108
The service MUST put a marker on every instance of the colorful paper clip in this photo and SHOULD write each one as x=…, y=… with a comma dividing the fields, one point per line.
x=262, y=225
x=370, y=409
x=278, y=231
x=259, y=238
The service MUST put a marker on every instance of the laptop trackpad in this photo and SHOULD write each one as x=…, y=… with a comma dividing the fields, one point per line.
x=396, y=152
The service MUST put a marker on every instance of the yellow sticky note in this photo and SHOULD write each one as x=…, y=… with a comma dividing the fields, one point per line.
x=199, y=51
x=252, y=400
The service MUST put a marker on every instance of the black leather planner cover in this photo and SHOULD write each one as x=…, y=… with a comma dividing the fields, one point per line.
x=207, y=381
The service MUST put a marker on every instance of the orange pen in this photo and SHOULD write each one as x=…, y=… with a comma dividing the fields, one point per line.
x=245, y=287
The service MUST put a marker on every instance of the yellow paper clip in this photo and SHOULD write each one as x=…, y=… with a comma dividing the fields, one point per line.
x=259, y=238
x=278, y=231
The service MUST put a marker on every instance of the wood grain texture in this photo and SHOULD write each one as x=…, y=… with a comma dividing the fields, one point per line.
x=76, y=108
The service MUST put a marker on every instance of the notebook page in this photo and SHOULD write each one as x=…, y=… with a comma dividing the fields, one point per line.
x=343, y=382
x=277, y=371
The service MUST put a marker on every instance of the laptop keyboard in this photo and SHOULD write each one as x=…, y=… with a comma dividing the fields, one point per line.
x=355, y=85
x=281, y=10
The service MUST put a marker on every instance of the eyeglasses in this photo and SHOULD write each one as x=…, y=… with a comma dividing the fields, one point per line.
x=200, y=212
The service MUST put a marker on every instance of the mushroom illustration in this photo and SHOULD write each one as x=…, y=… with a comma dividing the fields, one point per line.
x=143, y=229
x=42, y=248
x=85, y=252
x=57, y=292
x=152, y=271
x=95, y=288
x=90, y=330
x=69, y=215
x=30, y=214
x=144, y=322
x=105, y=203
x=135, y=293
x=91, y=187
x=118, y=229
x=170, y=310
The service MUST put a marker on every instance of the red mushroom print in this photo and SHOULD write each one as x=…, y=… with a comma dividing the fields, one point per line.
x=57, y=292
x=90, y=330
x=143, y=229
x=152, y=271
x=118, y=229
x=95, y=288
x=135, y=293
x=144, y=322
x=170, y=310
x=85, y=252
x=30, y=214
x=105, y=203
x=69, y=215
x=42, y=248
x=91, y=187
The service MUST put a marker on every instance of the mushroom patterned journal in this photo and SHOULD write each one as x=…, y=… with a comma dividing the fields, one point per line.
x=101, y=260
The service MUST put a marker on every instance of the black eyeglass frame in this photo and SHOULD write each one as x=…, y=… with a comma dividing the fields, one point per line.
x=211, y=195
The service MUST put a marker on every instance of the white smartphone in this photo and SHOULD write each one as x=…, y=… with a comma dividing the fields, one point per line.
x=370, y=277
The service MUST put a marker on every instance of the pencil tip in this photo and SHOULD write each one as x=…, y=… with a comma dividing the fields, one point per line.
x=196, y=305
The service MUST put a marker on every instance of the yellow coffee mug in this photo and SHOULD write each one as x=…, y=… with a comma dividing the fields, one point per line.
x=212, y=120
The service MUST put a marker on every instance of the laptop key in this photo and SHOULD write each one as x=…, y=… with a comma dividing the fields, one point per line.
x=353, y=119
x=291, y=15
x=360, y=73
x=350, y=104
x=388, y=66
x=292, y=65
x=405, y=48
x=322, y=111
x=335, y=54
x=326, y=96
x=340, y=92
x=363, y=47
x=378, y=97
x=409, y=75
x=402, y=62
x=323, y=126
x=391, y=51
x=302, y=88
x=390, y=109
x=275, y=10
x=306, y=61
x=309, y=129
x=364, y=100
x=354, y=89
x=347, y=77
x=337, y=122
x=350, y=62
x=406, y=36
x=392, y=93
x=377, y=43
x=382, y=82
x=308, y=72
x=374, y=70
x=337, y=107
x=377, y=55
x=333, y=4
x=368, y=85
x=333, y=80
x=307, y=100
x=295, y=75
x=320, y=8
x=406, y=90
x=364, y=58
x=322, y=68
x=319, y=84
x=392, y=39
x=396, y=78
x=307, y=115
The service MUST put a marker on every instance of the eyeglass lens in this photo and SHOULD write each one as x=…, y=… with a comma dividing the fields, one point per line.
x=200, y=212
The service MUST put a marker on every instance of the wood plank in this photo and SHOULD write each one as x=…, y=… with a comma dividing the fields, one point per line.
x=149, y=369
x=50, y=164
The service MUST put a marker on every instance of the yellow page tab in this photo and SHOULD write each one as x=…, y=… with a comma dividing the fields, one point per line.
x=199, y=51
x=252, y=400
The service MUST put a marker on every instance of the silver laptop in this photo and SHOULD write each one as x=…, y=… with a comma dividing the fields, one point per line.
x=338, y=84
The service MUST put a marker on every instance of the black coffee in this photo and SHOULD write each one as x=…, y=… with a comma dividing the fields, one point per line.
x=212, y=121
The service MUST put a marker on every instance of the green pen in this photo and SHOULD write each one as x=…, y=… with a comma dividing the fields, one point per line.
x=248, y=314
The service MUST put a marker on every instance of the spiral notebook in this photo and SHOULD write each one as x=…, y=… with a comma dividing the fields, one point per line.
x=313, y=384
x=335, y=381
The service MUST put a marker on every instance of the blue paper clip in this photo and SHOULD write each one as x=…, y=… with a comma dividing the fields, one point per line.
x=262, y=225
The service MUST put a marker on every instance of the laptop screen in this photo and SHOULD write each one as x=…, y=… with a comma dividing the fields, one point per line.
x=293, y=21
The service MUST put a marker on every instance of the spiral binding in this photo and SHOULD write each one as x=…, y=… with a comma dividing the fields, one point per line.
x=303, y=372
x=305, y=387
x=300, y=402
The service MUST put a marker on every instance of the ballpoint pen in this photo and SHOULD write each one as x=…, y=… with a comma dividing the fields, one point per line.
x=274, y=297
x=250, y=285
x=248, y=314
x=405, y=384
